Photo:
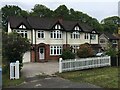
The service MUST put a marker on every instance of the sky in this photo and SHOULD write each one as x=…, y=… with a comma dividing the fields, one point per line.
x=98, y=9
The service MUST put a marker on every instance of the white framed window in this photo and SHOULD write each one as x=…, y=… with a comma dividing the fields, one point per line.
x=74, y=48
x=57, y=26
x=55, y=50
x=23, y=33
x=86, y=36
x=22, y=26
x=76, y=28
x=93, y=32
x=114, y=41
x=40, y=34
x=93, y=36
x=56, y=34
x=75, y=35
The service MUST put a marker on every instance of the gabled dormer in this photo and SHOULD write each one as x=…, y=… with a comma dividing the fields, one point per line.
x=94, y=31
x=22, y=27
x=57, y=26
x=77, y=28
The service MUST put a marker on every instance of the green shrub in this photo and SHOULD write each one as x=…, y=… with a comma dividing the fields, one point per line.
x=67, y=54
x=111, y=52
x=85, y=51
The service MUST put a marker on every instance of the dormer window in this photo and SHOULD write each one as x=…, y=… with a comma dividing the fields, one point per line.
x=93, y=32
x=76, y=28
x=57, y=26
x=22, y=27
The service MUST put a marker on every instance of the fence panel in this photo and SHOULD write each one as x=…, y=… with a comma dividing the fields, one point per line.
x=83, y=63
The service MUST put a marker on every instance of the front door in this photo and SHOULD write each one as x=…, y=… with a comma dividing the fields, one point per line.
x=41, y=53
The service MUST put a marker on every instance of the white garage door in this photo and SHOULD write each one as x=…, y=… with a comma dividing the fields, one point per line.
x=26, y=57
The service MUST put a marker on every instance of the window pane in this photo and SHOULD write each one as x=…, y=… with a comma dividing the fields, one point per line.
x=42, y=35
x=38, y=35
x=25, y=35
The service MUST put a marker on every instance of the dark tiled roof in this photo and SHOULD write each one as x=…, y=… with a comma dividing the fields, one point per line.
x=46, y=23
x=16, y=21
x=110, y=36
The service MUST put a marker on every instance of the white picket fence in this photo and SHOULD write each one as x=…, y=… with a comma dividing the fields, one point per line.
x=83, y=63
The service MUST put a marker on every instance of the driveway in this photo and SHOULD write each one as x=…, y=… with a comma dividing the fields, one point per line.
x=52, y=82
x=33, y=69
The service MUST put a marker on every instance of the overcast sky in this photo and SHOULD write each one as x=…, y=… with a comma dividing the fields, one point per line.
x=98, y=9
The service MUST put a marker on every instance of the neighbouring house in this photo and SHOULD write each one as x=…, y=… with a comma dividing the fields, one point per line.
x=49, y=37
x=107, y=39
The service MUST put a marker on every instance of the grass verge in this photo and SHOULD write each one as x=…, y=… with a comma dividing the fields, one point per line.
x=6, y=82
x=106, y=77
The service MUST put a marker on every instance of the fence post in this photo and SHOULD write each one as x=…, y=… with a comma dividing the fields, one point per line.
x=109, y=60
x=60, y=65
x=12, y=75
x=17, y=70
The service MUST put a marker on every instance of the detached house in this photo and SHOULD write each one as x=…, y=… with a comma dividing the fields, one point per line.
x=49, y=37
x=107, y=39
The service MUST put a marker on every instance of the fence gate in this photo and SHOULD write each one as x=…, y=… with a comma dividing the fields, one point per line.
x=14, y=70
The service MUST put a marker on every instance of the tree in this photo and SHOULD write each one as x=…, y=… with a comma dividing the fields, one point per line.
x=62, y=11
x=110, y=24
x=11, y=10
x=85, y=51
x=13, y=47
x=41, y=11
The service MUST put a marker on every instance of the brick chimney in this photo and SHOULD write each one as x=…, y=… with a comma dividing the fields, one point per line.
x=60, y=18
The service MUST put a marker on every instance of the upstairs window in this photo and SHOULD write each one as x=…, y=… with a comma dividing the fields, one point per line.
x=93, y=36
x=22, y=33
x=75, y=35
x=76, y=28
x=114, y=41
x=57, y=26
x=93, y=32
x=57, y=34
x=22, y=27
x=86, y=36
x=40, y=34
x=102, y=40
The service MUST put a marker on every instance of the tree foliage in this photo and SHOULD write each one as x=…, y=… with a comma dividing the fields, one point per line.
x=85, y=51
x=110, y=24
x=14, y=46
x=67, y=54
x=11, y=10
x=41, y=11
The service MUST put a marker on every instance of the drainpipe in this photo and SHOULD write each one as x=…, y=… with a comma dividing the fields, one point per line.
x=35, y=47
x=66, y=40
x=33, y=40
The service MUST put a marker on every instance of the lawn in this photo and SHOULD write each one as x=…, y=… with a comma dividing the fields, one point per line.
x=6, y=82
x=106, y=77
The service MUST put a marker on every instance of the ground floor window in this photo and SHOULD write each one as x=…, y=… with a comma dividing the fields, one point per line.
x=55, y=50
x=74, y=48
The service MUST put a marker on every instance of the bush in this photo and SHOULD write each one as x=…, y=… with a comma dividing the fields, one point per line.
x=111, y=52
x=13, y=48
x=67, y=54
x=85, y=51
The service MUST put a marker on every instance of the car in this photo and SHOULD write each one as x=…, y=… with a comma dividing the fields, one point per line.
x=100, y=54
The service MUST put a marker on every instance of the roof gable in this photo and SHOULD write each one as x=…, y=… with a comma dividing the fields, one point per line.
x=110, y=36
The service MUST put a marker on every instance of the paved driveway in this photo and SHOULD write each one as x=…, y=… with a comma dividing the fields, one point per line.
x=52, y=82
x=32, y=69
